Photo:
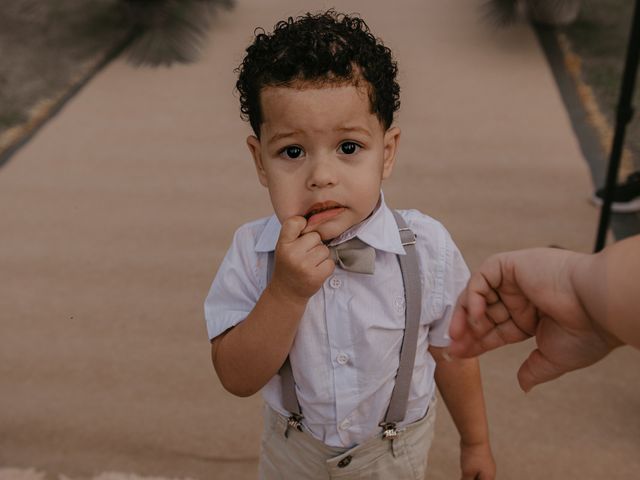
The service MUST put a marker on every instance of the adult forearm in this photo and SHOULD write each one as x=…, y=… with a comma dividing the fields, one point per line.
x=607, y=285
x=250, y=354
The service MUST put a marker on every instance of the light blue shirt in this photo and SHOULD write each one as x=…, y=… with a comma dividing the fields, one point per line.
x=346, y=352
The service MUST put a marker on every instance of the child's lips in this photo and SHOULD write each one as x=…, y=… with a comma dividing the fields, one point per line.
x=324, y=216
x=321, y=212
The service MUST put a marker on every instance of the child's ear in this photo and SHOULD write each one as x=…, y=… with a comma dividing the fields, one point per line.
x=254, y=147
x=391, y=142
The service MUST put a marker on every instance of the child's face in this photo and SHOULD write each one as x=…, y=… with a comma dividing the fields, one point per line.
x=323, y=155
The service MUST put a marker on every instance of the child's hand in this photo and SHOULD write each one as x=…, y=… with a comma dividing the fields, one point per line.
x=302, y=262
x=477, y=462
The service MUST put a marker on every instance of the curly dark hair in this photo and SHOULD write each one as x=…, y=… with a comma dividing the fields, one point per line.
x=323, y=48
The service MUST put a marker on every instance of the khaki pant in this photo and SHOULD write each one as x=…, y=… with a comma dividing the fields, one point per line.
x=301, y=456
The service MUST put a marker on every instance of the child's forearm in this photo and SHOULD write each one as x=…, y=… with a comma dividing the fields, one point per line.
x=250, y=354
x=461, y=388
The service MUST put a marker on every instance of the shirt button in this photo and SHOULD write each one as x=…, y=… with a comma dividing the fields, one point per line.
x=398, y=303
x=344, y=462
x=335, y=282
x=345, y=424
x=342, y=358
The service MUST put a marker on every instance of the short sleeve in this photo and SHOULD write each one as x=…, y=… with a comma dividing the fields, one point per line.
x=235, y=289
x=454, y=280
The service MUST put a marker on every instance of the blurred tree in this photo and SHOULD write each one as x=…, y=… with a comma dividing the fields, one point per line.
x=169, y=31
x=548, y=12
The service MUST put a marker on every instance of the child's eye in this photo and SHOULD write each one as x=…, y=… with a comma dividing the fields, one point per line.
x=291, y=151
x=349, y=148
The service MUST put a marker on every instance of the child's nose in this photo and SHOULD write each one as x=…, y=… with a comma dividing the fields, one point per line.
x=322, y=174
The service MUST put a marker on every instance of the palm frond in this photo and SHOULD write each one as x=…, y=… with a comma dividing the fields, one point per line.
x=170, y=31
x=500, y=12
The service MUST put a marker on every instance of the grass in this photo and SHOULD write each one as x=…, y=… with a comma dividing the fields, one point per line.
x=44, y=44
x=8, y=118
x=600, y=36
x=47, y=47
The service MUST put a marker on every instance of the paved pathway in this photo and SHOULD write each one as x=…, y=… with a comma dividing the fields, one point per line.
x=115, y=217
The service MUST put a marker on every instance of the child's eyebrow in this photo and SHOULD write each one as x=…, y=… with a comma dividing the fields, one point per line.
x=362, y=130
x=277, y=136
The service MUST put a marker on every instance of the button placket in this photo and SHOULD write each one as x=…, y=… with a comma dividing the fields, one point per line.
x=337, y=294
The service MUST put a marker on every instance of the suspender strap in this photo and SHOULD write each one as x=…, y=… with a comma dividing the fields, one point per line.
x=413, y=303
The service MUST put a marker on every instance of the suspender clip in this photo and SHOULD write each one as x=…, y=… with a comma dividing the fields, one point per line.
x=294, y=421
x=407, y=238
x=389, y=430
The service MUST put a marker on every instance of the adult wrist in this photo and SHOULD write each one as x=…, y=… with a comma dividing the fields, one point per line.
x=584, y=269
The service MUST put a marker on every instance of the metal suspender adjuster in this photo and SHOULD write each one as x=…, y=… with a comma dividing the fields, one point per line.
x=389, y=430
x=403, y=237
x=294, y=421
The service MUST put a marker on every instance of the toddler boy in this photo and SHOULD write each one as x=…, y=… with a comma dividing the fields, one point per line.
x=337, y=308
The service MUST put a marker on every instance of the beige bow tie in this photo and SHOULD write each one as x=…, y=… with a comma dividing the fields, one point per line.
x=354, y=256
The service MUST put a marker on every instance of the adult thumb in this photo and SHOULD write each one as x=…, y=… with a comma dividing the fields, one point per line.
x=537, y=369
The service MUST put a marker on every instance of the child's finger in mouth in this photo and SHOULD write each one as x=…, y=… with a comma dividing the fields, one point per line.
x=316, y=217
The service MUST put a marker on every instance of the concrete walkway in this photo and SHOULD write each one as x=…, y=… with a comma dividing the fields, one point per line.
x=116, y=215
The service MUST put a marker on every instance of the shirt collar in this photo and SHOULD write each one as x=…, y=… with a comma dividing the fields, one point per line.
x=379, y=230
x=269, y=236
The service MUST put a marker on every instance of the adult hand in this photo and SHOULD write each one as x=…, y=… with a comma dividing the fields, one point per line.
x=517, y=295
x=302, y=261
